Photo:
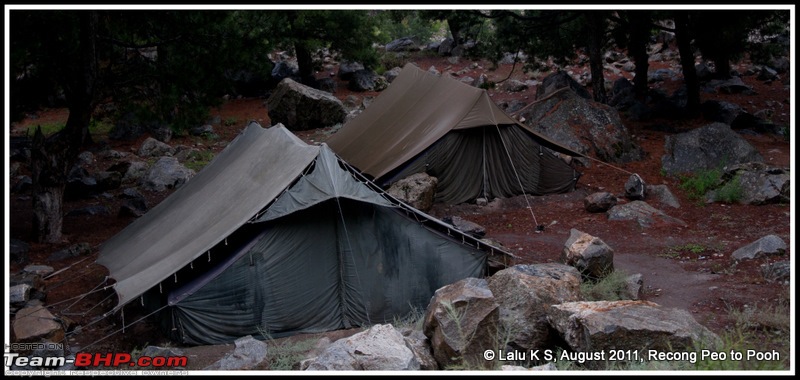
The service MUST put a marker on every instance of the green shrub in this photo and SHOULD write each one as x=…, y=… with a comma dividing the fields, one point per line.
x=47, y=129
x=731, y=192
x=613, y=287
x=696, y=185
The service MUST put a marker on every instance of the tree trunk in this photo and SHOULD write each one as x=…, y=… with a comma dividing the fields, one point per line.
x=455, y=29
x=596, y=24
x=48, y=173
x=305, y=64
x=53, y=157
x=683, y=37
x=637, y=45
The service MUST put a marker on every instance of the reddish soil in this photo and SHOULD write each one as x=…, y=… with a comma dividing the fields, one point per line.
x=705, y=283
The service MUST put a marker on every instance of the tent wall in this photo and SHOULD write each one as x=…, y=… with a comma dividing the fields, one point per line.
x=485, y=162
x=321, y=269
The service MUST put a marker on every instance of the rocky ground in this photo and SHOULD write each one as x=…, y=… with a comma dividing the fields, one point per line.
x=687, y=267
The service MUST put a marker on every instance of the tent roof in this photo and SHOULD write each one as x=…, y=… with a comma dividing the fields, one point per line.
x=260, y=168
x=414, y=112
x=222, y=197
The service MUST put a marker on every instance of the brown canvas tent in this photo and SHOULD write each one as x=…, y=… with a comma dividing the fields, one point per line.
x=455, y=132
x=282, y=237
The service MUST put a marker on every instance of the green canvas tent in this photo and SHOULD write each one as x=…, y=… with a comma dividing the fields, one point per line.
x=455, y=132
x=278, y=236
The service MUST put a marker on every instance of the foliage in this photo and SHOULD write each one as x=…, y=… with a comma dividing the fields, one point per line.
x=197, y=160
x=696, y=185
x=47, y=128
x=543, y=34
x=287, y=354
x=394, y=24
x=731, y=192
x=769, y=38
x=390, y=60
x=722, y=35
x=613, y=287
x=414, y=319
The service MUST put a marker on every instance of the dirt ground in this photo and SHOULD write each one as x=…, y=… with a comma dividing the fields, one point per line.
x=705, y=283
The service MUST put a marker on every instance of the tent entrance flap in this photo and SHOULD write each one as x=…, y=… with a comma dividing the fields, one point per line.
x=478, y=161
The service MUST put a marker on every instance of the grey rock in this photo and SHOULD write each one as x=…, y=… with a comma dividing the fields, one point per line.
x=41, y=270
x=249, y=353
x=635, y=188
x=767, y=245
x=19, y=250
x=347, y=68
x=75, y=250
x=19, y=294
x=559, y=80
x=34, y=324
x=662, y=195
x=642, y=213
x=524, y=292
x=629, y=325
x=705, y=148
x=465, y=226
x=301, y=108
x=89, y=210
x=633, y=287
x=403, y=44
x=202, y=130
x=381, y=348
x=418, y=190
x=154, y=148
x=166, y=173
x=779, y=272
x=585, y=126
x=461, y=321
x=588, y=254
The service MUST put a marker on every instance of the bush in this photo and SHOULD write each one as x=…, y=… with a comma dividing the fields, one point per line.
x=731, y=192
x=613, y=287
x=696, y=185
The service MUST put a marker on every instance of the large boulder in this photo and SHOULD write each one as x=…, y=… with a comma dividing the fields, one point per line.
x=249, y=353
x=644, y=214
x=557, y=81
x=767, y=245
x=154, y=148
x=641, y=326
x=418, y=190
x=381, y=348
x=705, y=148
x=599, y=202
x=461, y=322
x=524, y=292
x=588, y=254
x=663, y=195
x=403, y=44
x=166, y=173
x=300, y=107
x=754, y=183
x=36, y=323
x=585, y=126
